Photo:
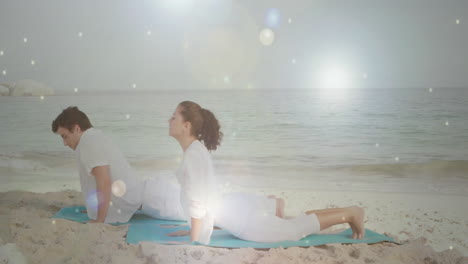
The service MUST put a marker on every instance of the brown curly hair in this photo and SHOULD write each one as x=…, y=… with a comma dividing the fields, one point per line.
x=205, y=126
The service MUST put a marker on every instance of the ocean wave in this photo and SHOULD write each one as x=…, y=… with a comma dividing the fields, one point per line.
x=434, y=168
x=34, y=160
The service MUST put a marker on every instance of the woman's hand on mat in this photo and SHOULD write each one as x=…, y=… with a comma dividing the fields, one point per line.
x=95, y=221
x=179, y=233
x=84, y=211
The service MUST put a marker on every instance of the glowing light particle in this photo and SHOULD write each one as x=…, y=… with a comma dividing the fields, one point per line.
x=227, y=80
x=267, y=36
x=119, y=211
x=53, y=222
x=148, y=33
x=119, y=188
x=80, y=34
x=25, y=40
x=42, y=97
x=76, y=90
x=377, y=145
x=92, y=201
x=4, y=72
x=293, y=61
x=1, y=52
x=451, y=248
x=457, y=21
x=290, y=20
x=273, y=17
x=127, y=116
x=33, y=62
x=430, y=90
x=364, y=75
x=134, y=85
x=397, y=159
x=447, y=123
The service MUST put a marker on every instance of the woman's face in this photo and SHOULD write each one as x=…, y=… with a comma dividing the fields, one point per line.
x=177, y=125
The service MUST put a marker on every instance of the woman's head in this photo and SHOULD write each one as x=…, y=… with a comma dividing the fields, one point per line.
x=197, y=122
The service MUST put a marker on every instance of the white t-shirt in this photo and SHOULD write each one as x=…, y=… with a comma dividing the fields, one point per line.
x=95, y=149
x=199, y=194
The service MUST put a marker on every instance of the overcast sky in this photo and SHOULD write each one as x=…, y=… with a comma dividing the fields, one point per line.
x=193, y=44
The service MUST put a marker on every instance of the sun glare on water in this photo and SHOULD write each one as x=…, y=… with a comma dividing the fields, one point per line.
x=334, y=77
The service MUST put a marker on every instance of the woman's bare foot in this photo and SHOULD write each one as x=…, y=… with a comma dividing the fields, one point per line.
x=280, y=204
x=356, y=222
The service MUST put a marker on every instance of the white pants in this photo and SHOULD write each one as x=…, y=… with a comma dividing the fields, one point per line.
x=244, y=215
x=253, y=217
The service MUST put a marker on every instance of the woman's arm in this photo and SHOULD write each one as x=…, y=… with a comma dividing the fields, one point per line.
x=196, y=228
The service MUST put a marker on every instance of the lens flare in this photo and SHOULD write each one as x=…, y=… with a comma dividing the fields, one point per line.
x=119, y=188
x=92, y=200
x=267, y=36
x=273, y=17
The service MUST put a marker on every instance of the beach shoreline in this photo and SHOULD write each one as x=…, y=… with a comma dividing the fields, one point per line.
x=431, y=227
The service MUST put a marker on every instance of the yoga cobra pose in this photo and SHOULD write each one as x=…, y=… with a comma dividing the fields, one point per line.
x=246, y=216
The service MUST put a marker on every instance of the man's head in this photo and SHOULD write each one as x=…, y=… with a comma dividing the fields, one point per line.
x=70, y=125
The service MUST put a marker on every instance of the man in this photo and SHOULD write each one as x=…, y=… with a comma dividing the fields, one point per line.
x=111, y=191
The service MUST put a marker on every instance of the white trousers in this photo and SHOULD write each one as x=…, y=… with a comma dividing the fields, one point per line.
x=244, y=215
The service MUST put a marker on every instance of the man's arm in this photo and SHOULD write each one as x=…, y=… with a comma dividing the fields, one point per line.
x=103, y=188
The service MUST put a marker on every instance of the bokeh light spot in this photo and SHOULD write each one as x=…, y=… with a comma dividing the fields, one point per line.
x=273, y=17
x=267, y=37
x=119, y=188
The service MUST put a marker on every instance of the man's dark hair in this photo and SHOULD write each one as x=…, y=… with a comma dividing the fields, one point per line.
x=70, y=117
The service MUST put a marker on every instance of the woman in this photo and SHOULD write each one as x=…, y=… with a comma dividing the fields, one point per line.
x=245, y=216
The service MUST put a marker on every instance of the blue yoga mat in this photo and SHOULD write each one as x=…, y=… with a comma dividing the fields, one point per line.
x=154, y=232
x=144, y=228
x=75, y=214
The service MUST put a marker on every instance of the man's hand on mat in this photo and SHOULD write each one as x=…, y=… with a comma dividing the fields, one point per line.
x=179, y=233
x=179, y=242
x=84, y=211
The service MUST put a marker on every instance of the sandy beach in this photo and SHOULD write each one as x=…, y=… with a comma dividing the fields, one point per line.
x=432, y=228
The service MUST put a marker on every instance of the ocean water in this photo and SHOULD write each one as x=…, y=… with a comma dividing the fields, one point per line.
x=362, y=139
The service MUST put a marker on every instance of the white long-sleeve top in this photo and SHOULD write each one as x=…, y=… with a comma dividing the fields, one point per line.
x=199, y=194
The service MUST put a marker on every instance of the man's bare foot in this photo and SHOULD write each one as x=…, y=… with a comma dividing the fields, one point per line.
x=356, y=222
